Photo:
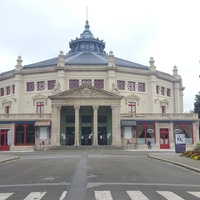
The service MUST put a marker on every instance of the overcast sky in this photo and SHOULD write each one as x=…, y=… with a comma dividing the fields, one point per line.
x=135, y=30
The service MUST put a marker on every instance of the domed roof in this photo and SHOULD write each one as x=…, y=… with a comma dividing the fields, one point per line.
x=87, y=42
x=87, y=50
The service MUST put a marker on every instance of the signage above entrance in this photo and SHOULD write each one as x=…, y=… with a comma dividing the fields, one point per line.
x=128, y=123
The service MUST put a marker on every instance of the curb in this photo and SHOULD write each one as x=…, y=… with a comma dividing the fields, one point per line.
x=9, y=159
x=175, y=163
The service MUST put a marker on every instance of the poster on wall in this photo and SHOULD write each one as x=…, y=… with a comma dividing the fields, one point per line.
x=180, y=138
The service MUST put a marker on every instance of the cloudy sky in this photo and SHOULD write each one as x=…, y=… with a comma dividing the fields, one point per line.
x=135, y=30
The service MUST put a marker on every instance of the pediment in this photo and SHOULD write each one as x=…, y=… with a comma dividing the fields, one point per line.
x=85, y=92
x=132, y=97
x=164, y=102
x=6, y=101
x=39, y=96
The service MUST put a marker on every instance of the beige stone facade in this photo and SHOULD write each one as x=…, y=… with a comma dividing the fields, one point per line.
x=89, y=98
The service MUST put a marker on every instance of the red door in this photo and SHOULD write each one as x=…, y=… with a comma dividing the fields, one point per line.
x=3, y=141
x=164, y=138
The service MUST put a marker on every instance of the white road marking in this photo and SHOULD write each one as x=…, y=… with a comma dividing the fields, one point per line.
x=4, y=196
x=63, y=195
x=103, y=195
x=196, y=194
x=169, y=195
x=137, y=195
x=35, y=196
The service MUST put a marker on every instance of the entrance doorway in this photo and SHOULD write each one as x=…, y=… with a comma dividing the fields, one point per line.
x=164, y=138
x=4, y=140
x=102, y=136
x=86, y=136
x=70, y=136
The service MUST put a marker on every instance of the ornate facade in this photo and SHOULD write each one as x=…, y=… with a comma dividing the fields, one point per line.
x=89, y=97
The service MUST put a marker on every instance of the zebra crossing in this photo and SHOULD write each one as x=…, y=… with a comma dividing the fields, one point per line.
x=106, y=195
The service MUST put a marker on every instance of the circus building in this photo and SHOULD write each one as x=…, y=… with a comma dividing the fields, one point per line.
x=89, y=97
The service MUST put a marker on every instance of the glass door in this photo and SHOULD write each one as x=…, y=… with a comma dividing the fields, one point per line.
x=4, y=141
x=164, y=138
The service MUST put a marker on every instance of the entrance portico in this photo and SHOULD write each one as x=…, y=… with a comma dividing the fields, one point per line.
x=85, y=116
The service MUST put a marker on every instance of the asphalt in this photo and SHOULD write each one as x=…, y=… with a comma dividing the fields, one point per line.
x=169, y=157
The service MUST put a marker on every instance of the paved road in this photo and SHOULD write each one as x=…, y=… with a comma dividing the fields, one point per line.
x=100, y=175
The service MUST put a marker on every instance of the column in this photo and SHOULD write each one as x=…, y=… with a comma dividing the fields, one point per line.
x=95, y=131
x=55, y=127
x=116, y=130
x=77, y=134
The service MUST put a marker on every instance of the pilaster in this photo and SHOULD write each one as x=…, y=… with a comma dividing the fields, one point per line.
x=116, y=130
x=55, y=127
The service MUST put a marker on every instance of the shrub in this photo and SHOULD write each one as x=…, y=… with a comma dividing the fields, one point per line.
x=197, y=157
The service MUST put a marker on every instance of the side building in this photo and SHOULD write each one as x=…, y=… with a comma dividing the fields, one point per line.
x=89, y=97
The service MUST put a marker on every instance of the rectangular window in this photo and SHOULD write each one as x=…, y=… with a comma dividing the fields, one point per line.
x=127, y=133
x=102, y=119
x=7, y=109
x=8, y=90
x=131, y=86
x=51, y=84
x=86, y=119
x=30, y=86
x=157, y=89
x=40, y=107
x=99, y=84
x=121, y=85
x=163, y=108
x=86, y=82
x=141, y=87
x=131, y=107
x=70, y=119
x=40, y=85
x=13, y=89
x=162, y=91
x=73, y=84
x=43, y=133
x=2, y=92
x=168, y=92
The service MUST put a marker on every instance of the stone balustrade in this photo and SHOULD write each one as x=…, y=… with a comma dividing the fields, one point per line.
x=159, y=116
x=14, y=117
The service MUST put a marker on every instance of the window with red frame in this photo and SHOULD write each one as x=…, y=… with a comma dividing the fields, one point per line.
x=131, y=107
x=131, y=86
x=157, y=89
x=2, y=92
x=73, y=83
x=86, y=82
x=40, y=85
x=30, y=86
x=168, y=92
x=51, y=84
x=99, y=84
x=40, y=107
x=141, y=87
x=186, y=129
x=162, y=91
x=8, y=90
x=13, y=89
x=121, y=85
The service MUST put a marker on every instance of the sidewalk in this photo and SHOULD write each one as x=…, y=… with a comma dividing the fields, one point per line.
x=175, y=158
